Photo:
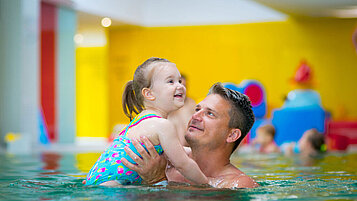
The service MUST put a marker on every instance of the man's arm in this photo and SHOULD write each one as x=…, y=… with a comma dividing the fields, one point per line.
x=151, y=167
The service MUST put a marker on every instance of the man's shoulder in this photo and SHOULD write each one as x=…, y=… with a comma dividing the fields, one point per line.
x=243, y=181
x=234, y=178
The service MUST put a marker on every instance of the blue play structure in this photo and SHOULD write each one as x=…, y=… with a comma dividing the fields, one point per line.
x=291, y=123
x=301, y=111
x=256, y=93
x=43, y=137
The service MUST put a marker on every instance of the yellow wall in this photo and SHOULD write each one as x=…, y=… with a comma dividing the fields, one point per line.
x=268, y=52
x=92, y=92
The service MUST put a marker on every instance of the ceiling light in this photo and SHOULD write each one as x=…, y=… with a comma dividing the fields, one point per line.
x=350, y=12
x=106, y=22
x=78, y=38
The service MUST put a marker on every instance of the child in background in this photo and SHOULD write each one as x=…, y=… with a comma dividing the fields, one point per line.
x=265, y=139
x=310, y=144
x=155, y=92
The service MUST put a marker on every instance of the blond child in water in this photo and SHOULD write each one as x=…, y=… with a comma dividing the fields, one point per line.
x=155, y=92
x=265, y=139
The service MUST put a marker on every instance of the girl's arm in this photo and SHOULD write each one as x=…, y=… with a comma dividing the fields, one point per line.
x=177, y=155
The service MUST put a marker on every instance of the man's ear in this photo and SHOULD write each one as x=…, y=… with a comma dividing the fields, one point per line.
x=234, y=135
x=147, y=93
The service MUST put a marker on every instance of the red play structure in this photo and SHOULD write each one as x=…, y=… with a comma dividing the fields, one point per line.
x=341, y=134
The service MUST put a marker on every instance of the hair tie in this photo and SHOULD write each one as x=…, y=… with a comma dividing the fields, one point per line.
x=323, y=148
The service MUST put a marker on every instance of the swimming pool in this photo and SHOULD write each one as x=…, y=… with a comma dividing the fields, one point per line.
x=55, y=176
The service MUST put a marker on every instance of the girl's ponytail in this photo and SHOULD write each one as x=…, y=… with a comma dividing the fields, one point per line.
x=133, y=101
x=130, y=102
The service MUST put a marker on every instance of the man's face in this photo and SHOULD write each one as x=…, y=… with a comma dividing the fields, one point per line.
x=208, y=126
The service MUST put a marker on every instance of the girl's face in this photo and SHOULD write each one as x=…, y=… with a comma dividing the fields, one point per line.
x=167, y=87
x=263, y=138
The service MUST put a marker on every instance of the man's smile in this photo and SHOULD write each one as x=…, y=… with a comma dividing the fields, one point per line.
x=195, y=127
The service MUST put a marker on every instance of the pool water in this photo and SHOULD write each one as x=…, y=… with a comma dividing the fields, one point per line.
x=54, y=176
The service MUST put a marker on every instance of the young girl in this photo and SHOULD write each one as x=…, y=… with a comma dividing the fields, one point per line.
x=265, y=139
x=155, y=91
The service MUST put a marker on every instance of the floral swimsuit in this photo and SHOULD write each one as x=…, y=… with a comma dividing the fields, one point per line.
x=109, y=167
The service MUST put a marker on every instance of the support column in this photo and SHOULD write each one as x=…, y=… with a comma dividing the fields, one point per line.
x=48, y=69
x=19, y=72
x=66, y=80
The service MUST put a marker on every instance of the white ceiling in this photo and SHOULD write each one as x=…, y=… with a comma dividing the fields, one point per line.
x=154, y=13
x=315, y=8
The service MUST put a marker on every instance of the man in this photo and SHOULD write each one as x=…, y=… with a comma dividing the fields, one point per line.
x=219, y=124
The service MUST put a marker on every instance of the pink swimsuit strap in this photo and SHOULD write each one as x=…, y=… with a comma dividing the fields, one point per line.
x=137, y=121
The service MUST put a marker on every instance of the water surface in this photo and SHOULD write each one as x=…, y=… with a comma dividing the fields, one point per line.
x=54, y=176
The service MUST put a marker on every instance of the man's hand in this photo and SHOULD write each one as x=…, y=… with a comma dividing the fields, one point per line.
x=151, y=167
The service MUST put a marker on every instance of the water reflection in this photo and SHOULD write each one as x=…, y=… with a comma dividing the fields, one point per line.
x=50, y=160
x=53, y=176
x=169, y=192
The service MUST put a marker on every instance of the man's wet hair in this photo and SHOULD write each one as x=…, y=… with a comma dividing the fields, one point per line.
x=241, y=113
